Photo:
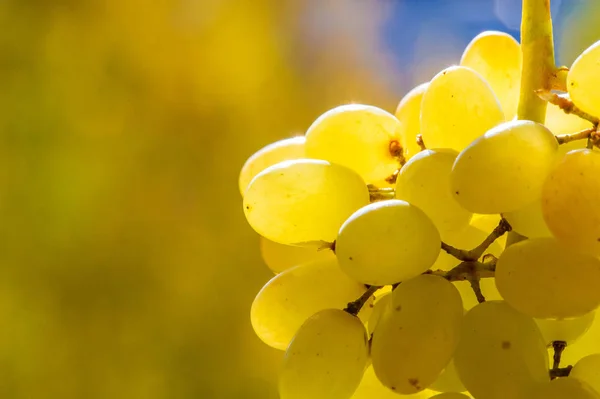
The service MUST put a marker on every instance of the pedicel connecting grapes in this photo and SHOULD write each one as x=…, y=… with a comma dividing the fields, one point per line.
x=387, y=234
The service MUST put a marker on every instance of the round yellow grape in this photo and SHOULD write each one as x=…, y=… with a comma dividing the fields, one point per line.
x=496, y=56
x=424, y=181
x=361, y=137
x=291, y=297
x=408, y=113
x=504, y=170
x=417, y=335
x=501, y=353
x=326, y=358
x=304, y=200
x=544, y=279
x=282, y=150
x=587, y=370
x=387, y=242
x=448, y=380
x=457, y=107
x=564, y=388
x=566, y=330
x=583, y=80
x=529, y=221
x=371, y=388
x=570, y=199
x=280, y=257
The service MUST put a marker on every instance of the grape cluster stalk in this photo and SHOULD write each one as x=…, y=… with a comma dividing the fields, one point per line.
x=448, y=250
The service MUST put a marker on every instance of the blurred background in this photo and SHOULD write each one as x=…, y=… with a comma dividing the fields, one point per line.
x=127, y=269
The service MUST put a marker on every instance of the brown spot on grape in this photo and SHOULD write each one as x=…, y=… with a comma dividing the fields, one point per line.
x=457, y=192
x=393, y=388
x=398, y=308
x=505, y=344
x=414, y=382
x=350, y=258
x=248, y=207
x=395, y=148
x=371, y=305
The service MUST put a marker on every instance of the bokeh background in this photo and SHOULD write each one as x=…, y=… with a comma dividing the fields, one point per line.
x=126, y=267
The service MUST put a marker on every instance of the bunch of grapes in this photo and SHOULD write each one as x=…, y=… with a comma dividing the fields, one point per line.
x=387, y=234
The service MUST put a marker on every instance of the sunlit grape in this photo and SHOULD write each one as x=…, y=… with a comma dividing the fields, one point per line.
x=529, y=221
x=425, y=182
x=408, y=113
x=282, y=150
x=570, y=199
x=371, y=388
x=448, y=380
x=501, y=353
x=458, y=106
x=387, y=242
x=279, y=257
x=564, y=388
x=364, y=138
x=504, y=170
x=289, y=298
x=583, y=80
x=305, y=200
x=416, y=337
x=566, y=330
x=326, y=358
x=544, y=279
x=588, y=370
x=497, y=57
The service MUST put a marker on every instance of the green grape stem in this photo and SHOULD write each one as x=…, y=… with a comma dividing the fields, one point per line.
x=538, y=70
x=566, y=105
x=476, y=287
x=355, y=306
x=474, y=254
x=584, y=134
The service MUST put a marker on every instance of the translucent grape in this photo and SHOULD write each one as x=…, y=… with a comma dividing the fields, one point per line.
x=409, y=115
x=371, y=388
x=501, y=353
x=279, y=257
x=529, y=221
x=587, y=370
x=450, y=395
x=303, y=200
x=586, y=344
x=496, y=56
x=566, y=330
x=424, y=181
x=504, y=170
x=564, y=388
x=570, y=199
x=387, y=242
x=282, y=150
x=289, y=298
x=415, y=339
x=326, y=358
x=448, y=380
x=583, y=80
x=544, y=279
x=457, y=107
x=379, y=308
x=364, y=138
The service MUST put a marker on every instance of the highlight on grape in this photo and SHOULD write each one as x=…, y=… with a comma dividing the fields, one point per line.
x=448, y=249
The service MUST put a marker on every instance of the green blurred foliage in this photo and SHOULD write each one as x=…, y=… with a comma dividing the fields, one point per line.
x=127, y=267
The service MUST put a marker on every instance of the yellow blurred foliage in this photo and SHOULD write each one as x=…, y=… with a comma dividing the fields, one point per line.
x=128, y=269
